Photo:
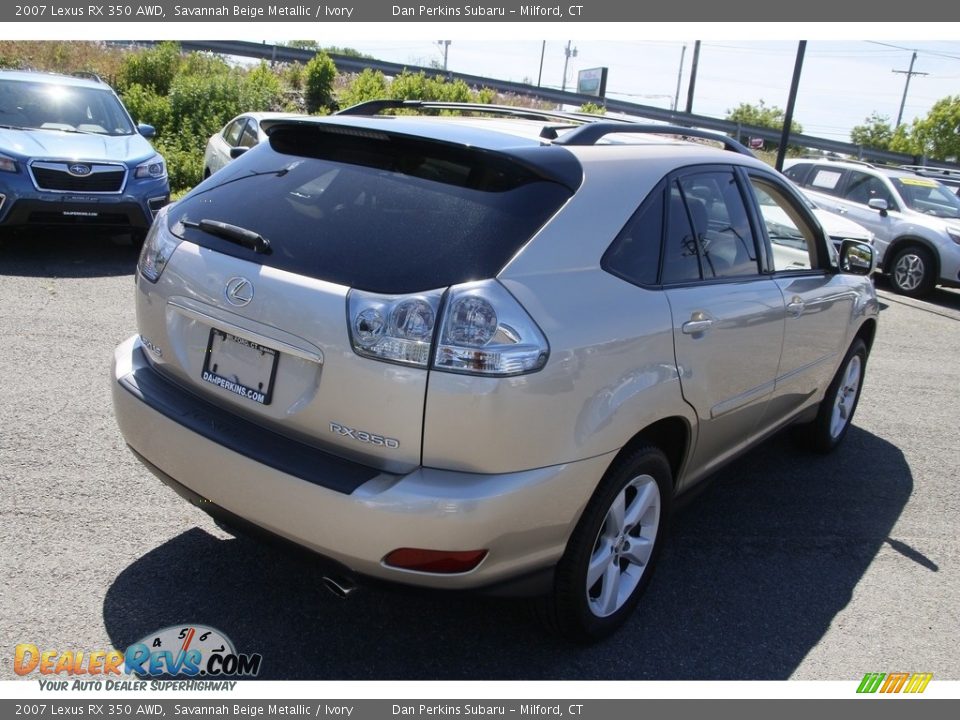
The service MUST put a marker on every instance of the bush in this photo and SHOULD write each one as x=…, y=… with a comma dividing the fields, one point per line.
x=184, y=162
x=318, y=82
x=147, y=107
x=368, y=85
x=153, y=68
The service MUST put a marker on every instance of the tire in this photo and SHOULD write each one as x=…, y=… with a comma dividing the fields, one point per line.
x=912, y=271
x=839, y=403
x=616, y=545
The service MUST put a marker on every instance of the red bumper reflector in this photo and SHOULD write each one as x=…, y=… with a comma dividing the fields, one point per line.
x=435, y=561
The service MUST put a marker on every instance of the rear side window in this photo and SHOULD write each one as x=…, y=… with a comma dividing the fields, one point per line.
x=825, y=180
x=635, y=254
x=382, y=213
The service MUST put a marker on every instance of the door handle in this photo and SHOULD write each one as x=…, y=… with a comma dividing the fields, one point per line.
x=699, y=322
x=796, y=306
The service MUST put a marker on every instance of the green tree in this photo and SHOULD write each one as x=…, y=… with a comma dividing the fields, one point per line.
x=903, y=142
x=762, y=115
x=875, y=132
x=319, y=76
x=938, y=134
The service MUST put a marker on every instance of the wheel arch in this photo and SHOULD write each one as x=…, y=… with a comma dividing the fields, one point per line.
x=671, y=435
x=905, y=241
x=867, y=332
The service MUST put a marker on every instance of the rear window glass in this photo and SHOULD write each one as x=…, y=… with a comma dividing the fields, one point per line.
x=376, y=212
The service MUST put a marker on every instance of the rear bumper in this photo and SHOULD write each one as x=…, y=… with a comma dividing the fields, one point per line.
x=351, y=514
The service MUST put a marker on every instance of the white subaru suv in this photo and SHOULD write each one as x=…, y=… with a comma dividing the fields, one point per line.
x=915, y=220
x=485, y=351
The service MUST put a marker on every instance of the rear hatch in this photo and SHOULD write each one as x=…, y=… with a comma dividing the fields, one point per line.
x=255, y=318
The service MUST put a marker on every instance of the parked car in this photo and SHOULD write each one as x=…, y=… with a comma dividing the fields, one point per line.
x=234, y=139
x=915, y=220
x=836, y=227
x=70, y=155
x=484, y=353
x=950, y=178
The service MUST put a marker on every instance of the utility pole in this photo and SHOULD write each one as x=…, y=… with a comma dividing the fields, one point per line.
x=568, y=53
x=676, y=98
x=445, y=44
x=909, y=73
x=693, y=76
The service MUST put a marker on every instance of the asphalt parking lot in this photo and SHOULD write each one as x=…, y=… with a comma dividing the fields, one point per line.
x=789, y=566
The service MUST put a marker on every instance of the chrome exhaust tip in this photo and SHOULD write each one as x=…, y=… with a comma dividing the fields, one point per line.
x=339, y=586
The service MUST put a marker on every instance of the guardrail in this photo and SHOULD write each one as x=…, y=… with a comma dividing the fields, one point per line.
x=347, y=63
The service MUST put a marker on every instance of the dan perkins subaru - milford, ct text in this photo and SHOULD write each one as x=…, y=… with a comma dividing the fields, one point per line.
x=483, y=11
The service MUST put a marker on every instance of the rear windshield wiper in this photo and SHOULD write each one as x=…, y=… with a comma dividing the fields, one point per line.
x=246, y=238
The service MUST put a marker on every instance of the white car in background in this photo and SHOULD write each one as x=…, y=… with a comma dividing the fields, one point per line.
x=236, y=137
x=839, y=228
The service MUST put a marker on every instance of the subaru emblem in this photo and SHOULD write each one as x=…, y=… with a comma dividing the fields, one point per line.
x=79, y=169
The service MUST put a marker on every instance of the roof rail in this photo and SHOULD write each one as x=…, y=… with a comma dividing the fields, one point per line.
x=931, y=170
x=589, y=134
x=373, y=107
x=87, y=75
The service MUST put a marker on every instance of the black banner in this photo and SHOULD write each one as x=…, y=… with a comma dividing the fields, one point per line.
x=310, y=11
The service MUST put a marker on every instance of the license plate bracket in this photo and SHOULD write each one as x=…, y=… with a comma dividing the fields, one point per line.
x=240, y=366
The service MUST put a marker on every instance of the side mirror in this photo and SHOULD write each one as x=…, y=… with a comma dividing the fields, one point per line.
x=878, y=204
x=148, y=131
x=857, y=258
x=236, y=152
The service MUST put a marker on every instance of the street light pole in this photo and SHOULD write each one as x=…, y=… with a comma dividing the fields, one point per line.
x=568, y=53
x=445, y=44
x=676, y=98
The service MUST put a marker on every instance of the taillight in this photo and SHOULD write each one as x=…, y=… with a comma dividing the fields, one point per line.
x=157, y=248
x=479, y=330
x=395, y=328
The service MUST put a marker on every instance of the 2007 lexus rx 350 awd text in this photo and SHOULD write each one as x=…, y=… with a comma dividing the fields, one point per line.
x=484, y=352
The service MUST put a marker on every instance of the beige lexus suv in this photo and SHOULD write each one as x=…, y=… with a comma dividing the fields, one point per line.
x=485, y=351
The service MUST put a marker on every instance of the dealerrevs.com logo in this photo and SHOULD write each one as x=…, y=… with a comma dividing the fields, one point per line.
x=897, y=682
x=195, y=652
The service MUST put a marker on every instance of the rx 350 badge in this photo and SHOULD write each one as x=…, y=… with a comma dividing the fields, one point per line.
x=190, y=650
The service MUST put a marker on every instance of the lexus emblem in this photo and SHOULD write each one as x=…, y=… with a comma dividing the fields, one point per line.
x=239, y=291
x=79, y=169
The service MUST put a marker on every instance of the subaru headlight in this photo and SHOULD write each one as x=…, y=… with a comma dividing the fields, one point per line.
x=954, y=233
x=154, y=168
x=8, y=164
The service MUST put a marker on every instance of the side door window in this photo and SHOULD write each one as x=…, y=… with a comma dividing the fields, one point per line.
x=248, y=138
x=708, y=230
x=862, y=188
x=792, y=238
x=231, y=134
